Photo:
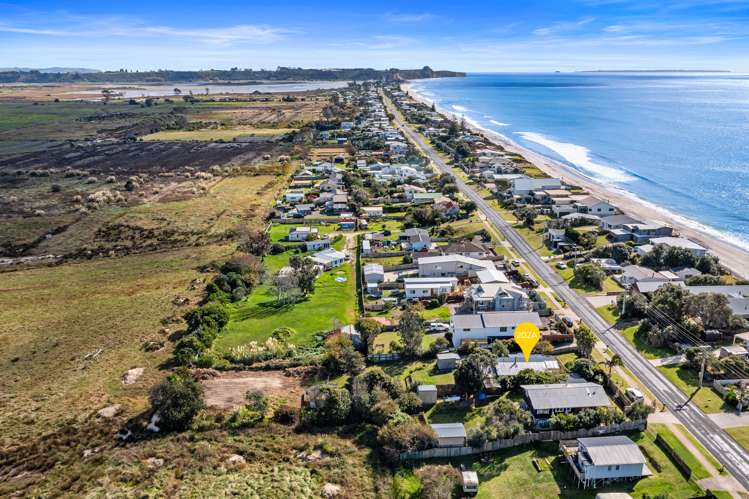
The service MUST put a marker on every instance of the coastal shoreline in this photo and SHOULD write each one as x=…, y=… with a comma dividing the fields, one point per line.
x=731, y=256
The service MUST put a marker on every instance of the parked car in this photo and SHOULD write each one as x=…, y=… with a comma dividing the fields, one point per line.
x=437, y=327
x=516, y=263
x=568, y=322
x=530, y=280
x=561, y=265
x=635, y=395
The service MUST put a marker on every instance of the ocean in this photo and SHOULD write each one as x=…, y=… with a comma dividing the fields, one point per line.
x=677, y=140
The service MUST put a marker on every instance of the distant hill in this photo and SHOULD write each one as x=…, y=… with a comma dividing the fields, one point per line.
x=49, y=70
x=217, y=75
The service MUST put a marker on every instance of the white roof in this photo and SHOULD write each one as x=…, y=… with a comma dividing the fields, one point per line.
x=426, y=388
x=372, y=268
x=514, y=363
x=679, y=242
x=328, y=255
x=487, y=264
x=491, y=275
x=429, y=282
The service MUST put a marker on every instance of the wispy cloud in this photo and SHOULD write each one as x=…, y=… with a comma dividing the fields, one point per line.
x=563, y=27
x=115, y=28
x=395, y=17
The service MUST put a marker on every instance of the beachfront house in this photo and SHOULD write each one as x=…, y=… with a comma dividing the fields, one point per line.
x=547, y=399
x=595, y=206
x=372, y=211
x=490, y=326
x=672, y=242
x=429, y=287
x=600, y=460
x=523, y=186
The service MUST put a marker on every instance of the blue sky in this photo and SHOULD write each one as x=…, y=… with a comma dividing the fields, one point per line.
x=471, y=36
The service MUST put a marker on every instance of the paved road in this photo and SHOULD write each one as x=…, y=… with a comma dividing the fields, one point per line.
x=730, y=454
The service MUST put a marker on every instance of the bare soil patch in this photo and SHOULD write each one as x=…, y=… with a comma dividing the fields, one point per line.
x=227, y=391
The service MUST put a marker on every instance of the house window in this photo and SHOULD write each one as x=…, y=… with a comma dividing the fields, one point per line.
x=617, y=467
x=610, y=468
x=503, y=329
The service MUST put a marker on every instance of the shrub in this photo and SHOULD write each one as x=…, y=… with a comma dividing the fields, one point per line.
x=439, y=481
x=256, y=401
x=277, y=248
x=332, y=406
x=177, y=400
x=285, y=414
x=244, y=417
x=211, y=315
x=476, y=438
x=403, y=433
x=589, y=275
x=410, y=403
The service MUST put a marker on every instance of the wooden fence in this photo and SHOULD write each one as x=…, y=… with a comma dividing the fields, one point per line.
x=542, y=436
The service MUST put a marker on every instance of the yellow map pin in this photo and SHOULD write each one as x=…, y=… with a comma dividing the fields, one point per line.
x=527, y=335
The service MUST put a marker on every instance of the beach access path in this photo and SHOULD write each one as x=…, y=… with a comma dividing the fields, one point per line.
x=721, y=445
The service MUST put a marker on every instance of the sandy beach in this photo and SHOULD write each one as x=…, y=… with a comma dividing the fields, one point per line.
x=731, y=256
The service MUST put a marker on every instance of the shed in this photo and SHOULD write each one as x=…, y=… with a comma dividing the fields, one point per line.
x=450, y=434
x=427, y=394
x=447, y=361
x=470, y=482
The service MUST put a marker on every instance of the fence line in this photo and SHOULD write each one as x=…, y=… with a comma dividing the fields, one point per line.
x=446, y=452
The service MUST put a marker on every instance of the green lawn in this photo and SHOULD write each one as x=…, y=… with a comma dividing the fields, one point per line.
x=698, y=471
x=685, y=380
x=609, y=285
x=421, y=372
x=279, y=231
x=704, y=451
x=381, y=344
x=254, y=318
x=534, y=238
x=511, y=473
x=442, y=313
x=609, y=312
x=741, y=435
x=454, y=413
x=648, y=351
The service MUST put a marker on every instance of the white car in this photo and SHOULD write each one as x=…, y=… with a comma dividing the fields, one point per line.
x=561, y=265
x=437, y=327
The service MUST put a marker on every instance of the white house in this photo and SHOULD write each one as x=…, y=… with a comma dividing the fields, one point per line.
x=373, y=272
x=525, y=185
x=514, y=363
x=592, y=204
x=673, y=242
x=489, y=326
x=317, y=244
x=451, y=266
x=303, y=233
x=429, y=287
x=372, y=211
x=600, y=460
x=294, y=195
x=329, y=258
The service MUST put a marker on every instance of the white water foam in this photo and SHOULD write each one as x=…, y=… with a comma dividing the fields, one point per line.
x=580, y=157
x=460, y=109
x=498, y=123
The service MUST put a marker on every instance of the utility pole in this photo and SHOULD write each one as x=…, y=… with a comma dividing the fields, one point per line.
x=624, y=304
